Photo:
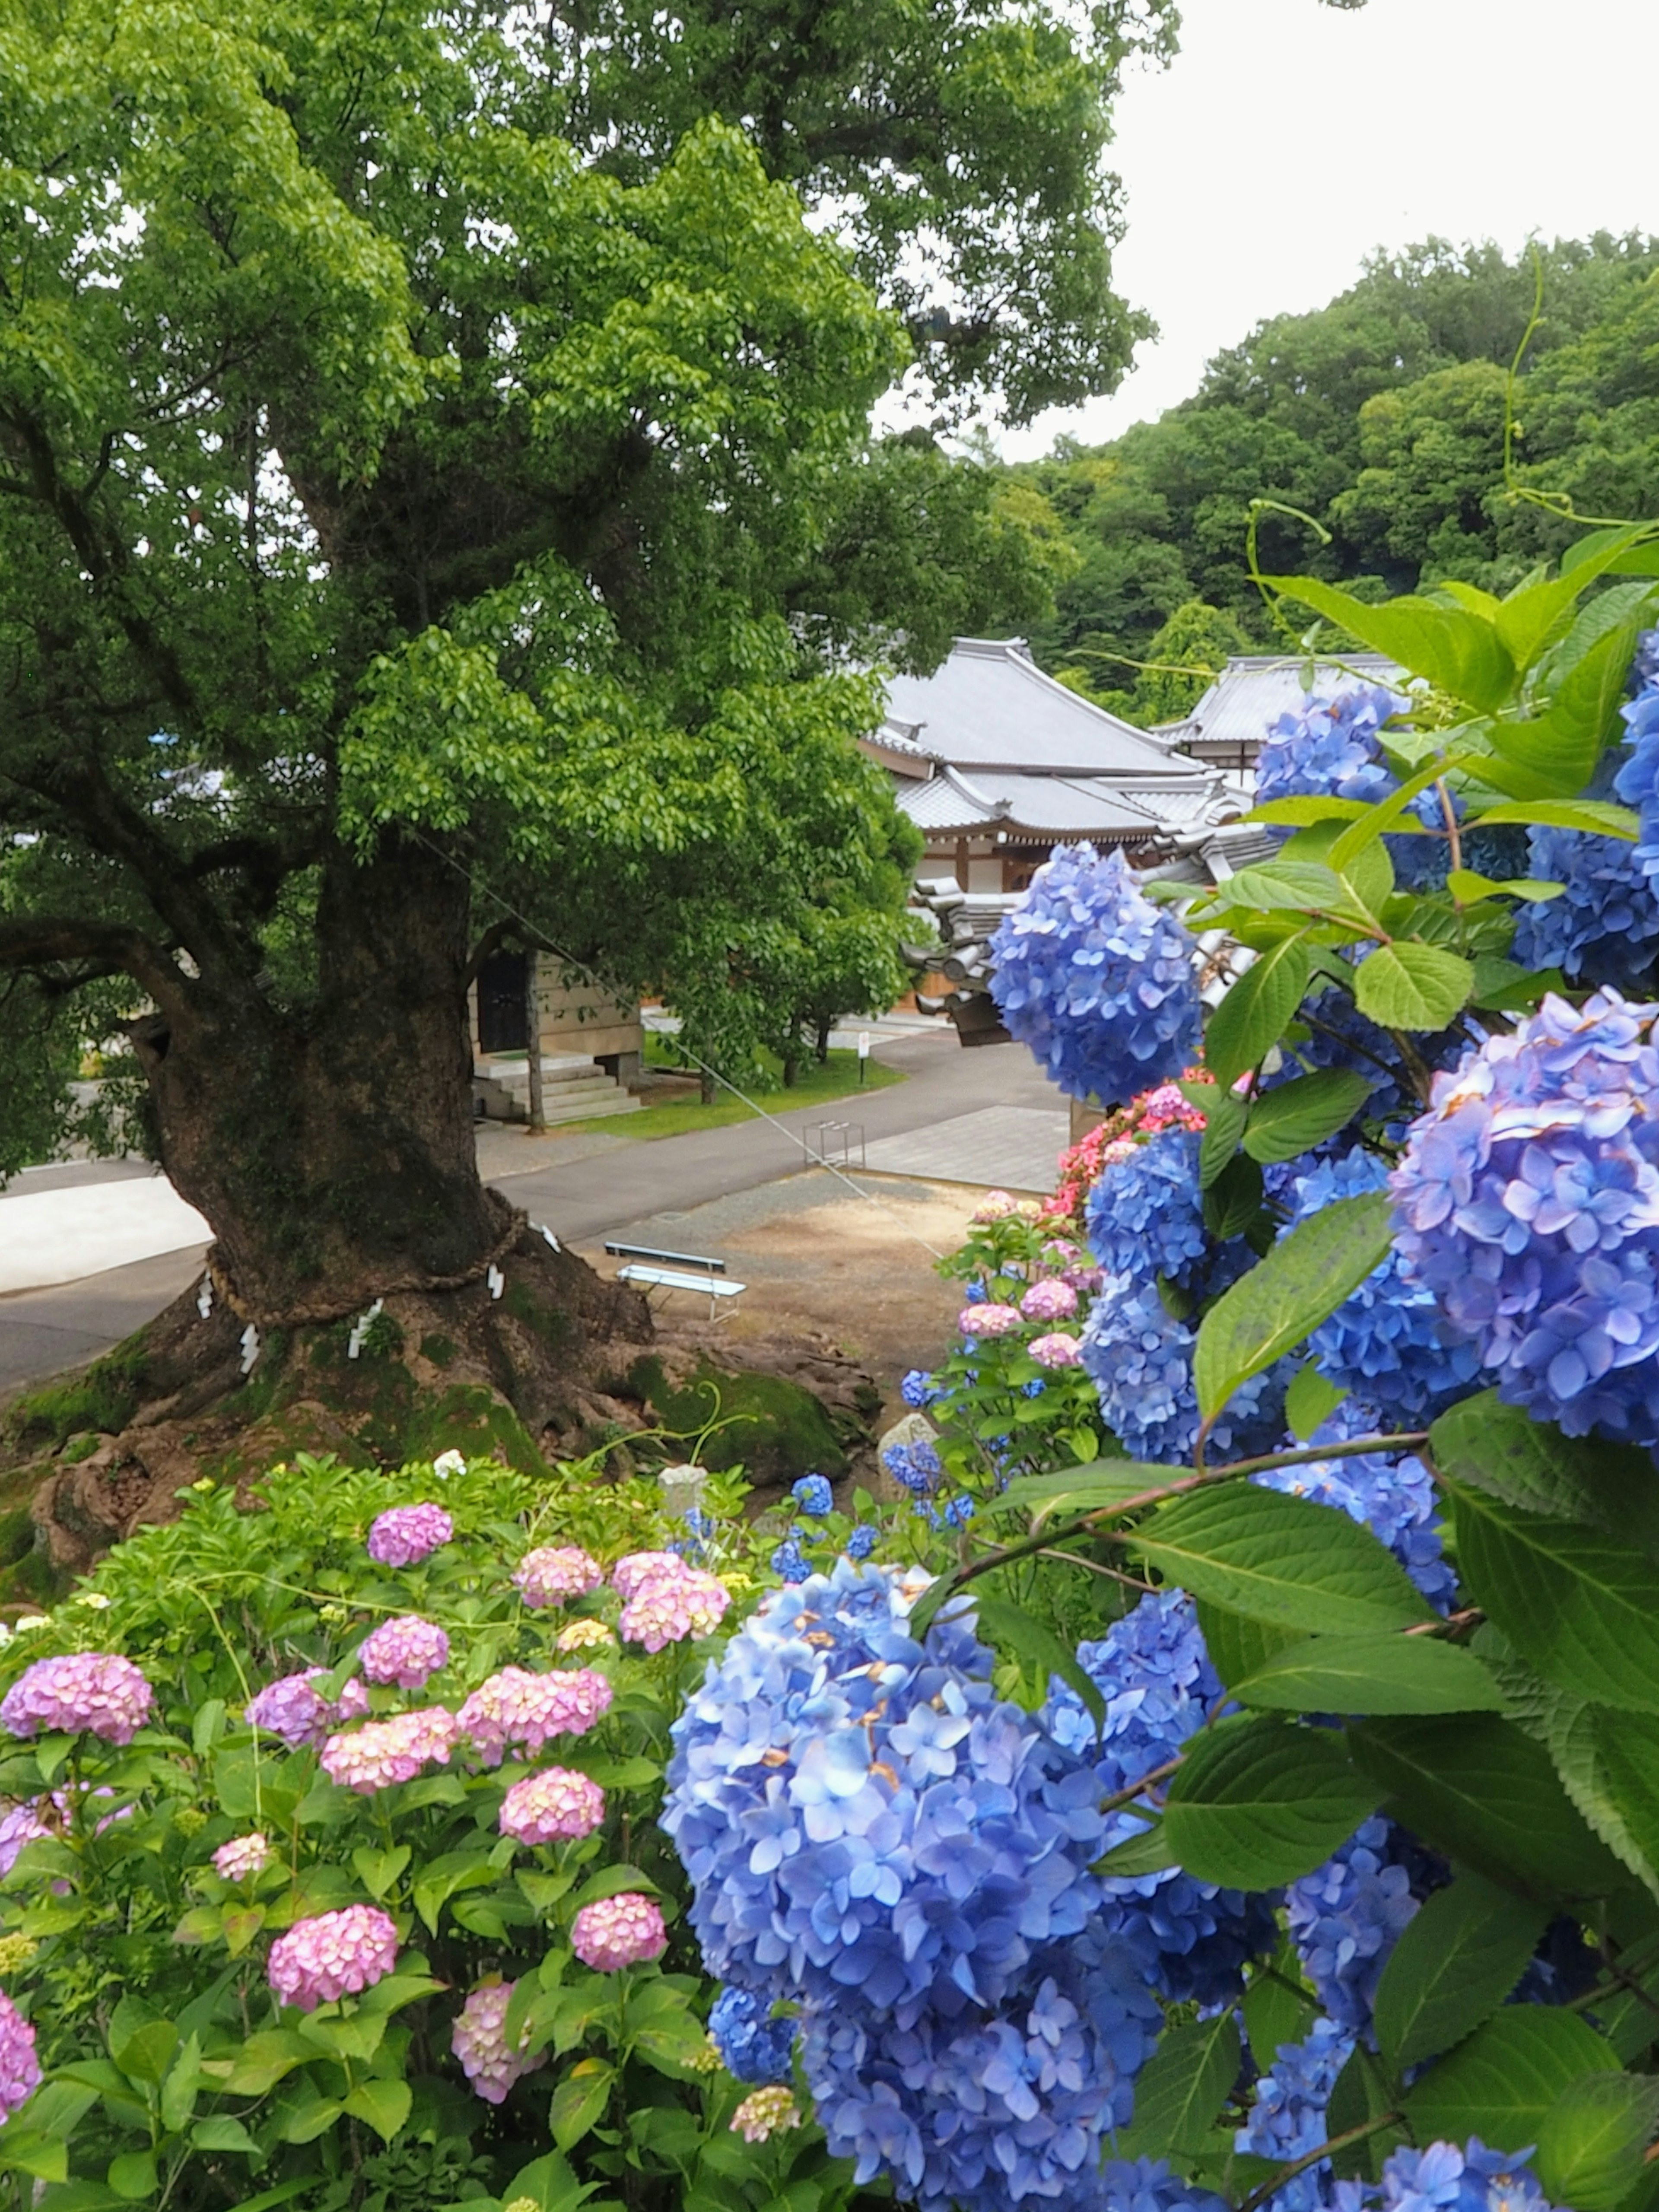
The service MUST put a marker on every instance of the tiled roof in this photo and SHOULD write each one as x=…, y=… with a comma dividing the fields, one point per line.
x=991, y=707
x=1253, y=689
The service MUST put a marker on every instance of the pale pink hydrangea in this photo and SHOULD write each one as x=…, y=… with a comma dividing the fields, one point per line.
x=1058, y=1350
x=20, y=1827
x=1114, y=1154
x=553, y=1572
x=382, y=1752
x=765, y=2113
x=242, y=1857
x=517, y=1709
x=479, y=2041
x=405, y=1650
x=1089, y=1280
x=1051, y=1299
x=556, y=1806
x=403, y=1535
x=668, y=1608
x=618, y=1931
x=629, y=1576
x=989, y=1320
x=337, y=1954
x=995, y=1206
x=20, y=2070
x=292, y=1709
x=583, y=1636
x=93, y=1691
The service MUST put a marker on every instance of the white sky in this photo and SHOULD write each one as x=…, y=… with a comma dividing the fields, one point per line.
x=1289, y=140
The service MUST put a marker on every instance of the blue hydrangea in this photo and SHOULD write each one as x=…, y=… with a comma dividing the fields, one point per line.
x=1139, y=1358
x=1330, y=748
x=862, y=1541
x=918, y=1387
x=1528, y=1200
x=1638, y=780
x=1143, y=2184
x=1095, y=980
x=790, y=1561
x=976, y=1294
x=1387, y=1341
x=1287, y=2115
x=916, y=1464
x=1146, y=1216
x=956, y=1513
x=1345, y=1918
x=1445, y=2179
x=1394, y=1498
x=814, y=1497
x=753, y=2046
x=700, y=1530
x=864, y=1818
x=1156, y=1676
x=1603, y=927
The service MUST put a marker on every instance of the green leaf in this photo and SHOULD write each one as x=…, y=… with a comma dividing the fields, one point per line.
x=224, y=2134
x=379, y=1870
x=1598, y=817
x=1572, y=1734
x=1233, y=1201
x=1591, y=2139
x=1559, y=752
x=1453, y=1967
x=1488, y=1446
x=1311, y=1401
x=178, y=2090
x=1501, y=2083
x=1303, y=1278
x=611, y=1882
x=1370, y=1674
x=580, y=2099
x=1469, y=888
x=1460, y=652
x=1253, y=1016
x=1297, y=1116
x=1146, y=1853
x=1484, y=1792
x=1258, y=1803
x=1301, y=811
x=1013, y=1628
x=1097, y=1487
x=384, y=2104
x=1626, y=1753
x=447, y=1877
x=146, y=2054
x=1238, y=1645
x=1361, y=2093
x=1289, y=884
x=1224, y=1117
x=133, y=2176
x=1181, y=2090
x=1281, y=1558
x=1411, y=986
x=306, y=2122
x=264, y=2059
x=1277, y=2011
x=1581, y=1605
x=31, y=2151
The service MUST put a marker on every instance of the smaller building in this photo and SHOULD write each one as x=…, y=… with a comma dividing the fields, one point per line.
x=591, y=1043
x=1227, y=726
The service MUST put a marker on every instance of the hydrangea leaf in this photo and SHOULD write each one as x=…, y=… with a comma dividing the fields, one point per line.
x=1183, y=2087
x=1304, y=1278
x=1303, y=808
x=1626, y=1753
x=1148, y=1852
x=1283, y=1559
x=1410, y=986
x=1311, y=1399
x=1480, y=1790
x=1458, y=651
x=1469, y=887
x=1013, y=1629
x=1300, y=1114
x=1572, y=1730
x=1580, y=1606
x=1094, y=1488
x=1501, y=1450
x=1558, y=750
x=1360, y=2094
x=1224, y=1117
x=1591, y=2139
x=384, y=2104
x=1258, y=1803
x=1251, y=1018
x=1370, y=1674
x=580, y=2099
x=1453, y=1967
x=1238, y=1645
x=1598, y=817
x=1501, y=2083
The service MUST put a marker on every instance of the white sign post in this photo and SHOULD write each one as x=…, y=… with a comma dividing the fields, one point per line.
x=863, y=1052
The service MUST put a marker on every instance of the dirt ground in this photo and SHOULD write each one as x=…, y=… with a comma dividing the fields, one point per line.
x=818, y=1258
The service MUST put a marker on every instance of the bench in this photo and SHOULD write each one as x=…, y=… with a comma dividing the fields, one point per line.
x=669, y=1271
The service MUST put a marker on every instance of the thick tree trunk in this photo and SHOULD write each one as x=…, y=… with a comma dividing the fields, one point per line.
x=332, y=1147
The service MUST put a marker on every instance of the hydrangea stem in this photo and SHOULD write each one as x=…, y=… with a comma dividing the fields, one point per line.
x=1276, y=2181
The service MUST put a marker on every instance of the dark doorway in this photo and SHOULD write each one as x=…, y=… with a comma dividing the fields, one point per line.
x=502, y=1024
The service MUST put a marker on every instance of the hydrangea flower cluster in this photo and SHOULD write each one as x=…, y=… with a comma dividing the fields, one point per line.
x=517, y=1710
x=1140, y=1357
x=403, y=1535
x=406, y=1650
x=1447, y=2179
x=1394, y=1498
x=242, y=1857
x=553, y=1572
x=478, y=2040
x=987, y=1318
x=20, y=2069
x=1528, y=1200
x=337, y=1954
x=1144, y=2185
x=1146, y=1216
x=917, y=1465
x=1156, y=1676
x=290, y=1708
x=1388, y=1342
x=814, y=1495
x=1050, y=1298
x=1287, y=2116
x=555, y=1806
x=583, y=1635
x=768, y=2112
x=753, y=2046
x=1331, y=749
x=19, y=1827
x=96, y=1692
x=1345, y=1918
x=1164, y=1107
x=1057, y=1350
x=1603, y=924
x=862, y=1540
x=618, y=1931
x=919, y=1389
x=667, y=1600
x=790, y=1562
x=1096, y=980
x=383, y=1753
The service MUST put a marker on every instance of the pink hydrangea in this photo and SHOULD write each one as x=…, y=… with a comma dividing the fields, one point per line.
x=405, y=1650
x=995, y=1206
x=382, y=1752
x=524, y=1711
x=553, y=1572
x=403, y=1535
x=629, y=1576
x=1056, y=1351
x=1089, y=1280
x=618, y=1931
x=242, y=1857
x=668, y=1608
x=335, y=1955
x=20, y=2070
x=94, y=1691
x=21, y=1826
x=1051, y=1299
x=556, y=1806
x=989, y=1320
x=479, y=2041
x=291, y=1709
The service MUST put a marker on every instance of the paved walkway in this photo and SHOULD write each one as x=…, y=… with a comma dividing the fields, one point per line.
x=1007, y=1147
x=586, y=1185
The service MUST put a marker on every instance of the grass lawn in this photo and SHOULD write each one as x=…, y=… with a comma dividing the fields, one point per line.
x=816, y=1087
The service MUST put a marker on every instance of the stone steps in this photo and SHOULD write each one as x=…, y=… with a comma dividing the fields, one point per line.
x=572, y=1090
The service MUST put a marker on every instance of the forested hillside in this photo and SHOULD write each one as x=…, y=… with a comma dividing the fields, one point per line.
x=1381, y=414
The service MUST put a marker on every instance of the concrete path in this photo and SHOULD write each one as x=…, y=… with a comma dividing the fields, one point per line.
x=585, y=1186
x=1005, y=1147
x=62, y=1235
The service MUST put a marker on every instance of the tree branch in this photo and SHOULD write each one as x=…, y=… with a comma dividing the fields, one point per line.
x=26, y=940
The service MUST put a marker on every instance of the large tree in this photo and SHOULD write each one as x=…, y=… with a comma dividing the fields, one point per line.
x=434, y=471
